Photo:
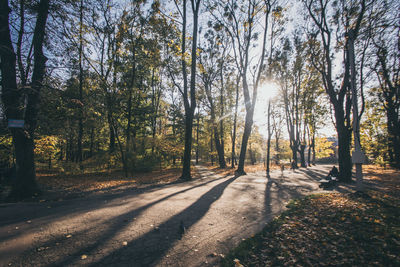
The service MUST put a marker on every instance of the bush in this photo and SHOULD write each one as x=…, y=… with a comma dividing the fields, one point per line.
x=142, y=163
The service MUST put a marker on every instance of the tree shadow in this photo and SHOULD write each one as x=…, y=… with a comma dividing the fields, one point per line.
x=281, y=187
x=71, y=210
x=149, y=248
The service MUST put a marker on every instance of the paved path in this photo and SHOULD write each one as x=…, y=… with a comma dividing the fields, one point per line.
x=141, y=227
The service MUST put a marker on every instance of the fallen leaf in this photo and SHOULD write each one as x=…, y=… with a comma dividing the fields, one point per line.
x=237, y=263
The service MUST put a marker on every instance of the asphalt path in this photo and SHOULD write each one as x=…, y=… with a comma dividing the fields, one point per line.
x=182, y=224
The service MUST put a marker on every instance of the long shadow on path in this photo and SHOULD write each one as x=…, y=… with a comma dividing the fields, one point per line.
x=149, y=249
x=96, y=234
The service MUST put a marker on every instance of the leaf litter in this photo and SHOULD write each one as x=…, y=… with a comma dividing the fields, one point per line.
x=350, y=229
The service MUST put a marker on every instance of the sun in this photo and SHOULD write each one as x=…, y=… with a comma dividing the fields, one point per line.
x=267, y=91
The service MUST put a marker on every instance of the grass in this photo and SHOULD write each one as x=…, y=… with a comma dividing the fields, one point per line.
x=331, y=229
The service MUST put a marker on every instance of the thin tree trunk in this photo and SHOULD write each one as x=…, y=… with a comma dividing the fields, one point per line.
x=268, y=138
x=197, y=137
x=91, y=142
x=129, y=108
x=111, y=147
x=221, y=121
x=235, y=123
x=211, y=149
x=80, y=122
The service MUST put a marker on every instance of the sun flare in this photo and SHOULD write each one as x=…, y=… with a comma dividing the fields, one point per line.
x=267, y=91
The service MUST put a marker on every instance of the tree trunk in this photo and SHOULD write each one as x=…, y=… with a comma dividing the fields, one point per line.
x=344, y=140
x=80, y=121
x=129, y=107
x=246, y=135
x=211, y=149
x=218, y=143
x=222, y=162
x=294, y=157
x=219, y=148
x=111, y=147
x=394, y=139
x=235, y=123
x=25, y=182
x=313, y=149
x=188, y=145
x=91, y=142
x=197, y=138
x=302, y=156
x=268, y=138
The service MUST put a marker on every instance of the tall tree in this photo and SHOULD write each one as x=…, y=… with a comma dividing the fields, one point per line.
x=209, y=74
x=80, y=130
x=24, y=103
x=387, y=53
x=189, y=97
x=240, y=20
x=328, y=18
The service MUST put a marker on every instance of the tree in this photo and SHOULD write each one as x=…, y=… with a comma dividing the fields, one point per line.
x=387, y=71
x=325, y=22
x=208, y=60
x=239, y=19
x=23, y=103
x=188, y=97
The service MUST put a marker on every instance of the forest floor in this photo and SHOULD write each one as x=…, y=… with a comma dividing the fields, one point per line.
x=337, y=229
x=131, y=223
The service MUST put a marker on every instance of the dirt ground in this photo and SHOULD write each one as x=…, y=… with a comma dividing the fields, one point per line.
x=177, y=224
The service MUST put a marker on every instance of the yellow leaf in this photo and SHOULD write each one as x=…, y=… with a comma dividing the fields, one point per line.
x=237, y=263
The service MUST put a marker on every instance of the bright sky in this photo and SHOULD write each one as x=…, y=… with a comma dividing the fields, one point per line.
x=267, y=91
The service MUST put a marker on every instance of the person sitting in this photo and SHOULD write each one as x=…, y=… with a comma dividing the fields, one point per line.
x=334, y=172
x=330, y=179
